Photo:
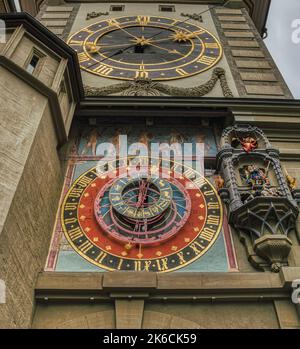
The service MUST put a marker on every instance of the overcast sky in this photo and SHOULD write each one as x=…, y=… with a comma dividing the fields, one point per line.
x=284, y=40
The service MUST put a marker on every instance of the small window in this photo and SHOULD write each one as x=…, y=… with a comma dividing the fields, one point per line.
x=117, y=8
x=167, y=8
x=31, y=66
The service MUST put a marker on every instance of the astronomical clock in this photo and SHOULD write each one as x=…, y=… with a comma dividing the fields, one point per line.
x=157, y=48
x=159, y=220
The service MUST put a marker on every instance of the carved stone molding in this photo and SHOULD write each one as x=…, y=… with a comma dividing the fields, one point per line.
x=194, y=16
x=261, y=206
x=94, y=14
x=147, y=87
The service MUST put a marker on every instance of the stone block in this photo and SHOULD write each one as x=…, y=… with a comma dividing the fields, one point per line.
x=129, y=280
x=56, y=16
x=57, y=31
x=243, y=43
x=232, y=18
x=264, y=90
x=239, y=34
x=69, y=281
x=247, y=53
x=54, y=23
x=253, y=64
x=225, y=11
x=59, y=9
x=235, y=26
x=258, y=76
x=129, y=313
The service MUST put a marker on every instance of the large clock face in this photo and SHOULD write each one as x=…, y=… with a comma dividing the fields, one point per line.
x=141, y=223
x=148, y=47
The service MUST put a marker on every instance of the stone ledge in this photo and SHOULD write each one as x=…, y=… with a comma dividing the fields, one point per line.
x=117, y=282
x=56, y=16
x=238, y=34
x=59, y=9
x=264, y=90
x=243, y=43
x=130, y=280
x=235, y=26
x=232, y=18
x=289, y=274
x=228, y=11
x=253, y=64
x=54, y=23
x=69, y=281
x=268, y=77
x=247, y=53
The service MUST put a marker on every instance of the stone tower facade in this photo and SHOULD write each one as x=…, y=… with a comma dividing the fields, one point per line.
x=208, y=79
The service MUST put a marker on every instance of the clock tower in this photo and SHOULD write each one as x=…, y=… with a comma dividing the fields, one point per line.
x=159, y=170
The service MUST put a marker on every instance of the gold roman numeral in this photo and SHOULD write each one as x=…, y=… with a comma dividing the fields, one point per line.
x=85, y=247
x=207, y=60
x=82, y=57
x=209, y=193
x=100, y=257
x=86, y=30
x=211, y=45
x=199, y=182
x=70, y=206
x=162, y=264
x=75, y=234
x=76, y=193
x=182, y=72
x=113, y=22
x=207, y=234
x=84, y=181
x=213, y=206
x=181, y=258
x=70, y=220
x=76, y=42
x=103, y=69
x=195, y=247
x=143, y=20
x=213, y=220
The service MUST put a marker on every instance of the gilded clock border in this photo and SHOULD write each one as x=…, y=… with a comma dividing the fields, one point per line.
x=218, y=229
x=159, y=69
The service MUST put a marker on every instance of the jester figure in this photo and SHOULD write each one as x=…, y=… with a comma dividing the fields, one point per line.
x=254, y=176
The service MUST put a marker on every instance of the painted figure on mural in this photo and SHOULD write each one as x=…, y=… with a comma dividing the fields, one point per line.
x=145, y=137
x=219, y=182
x=254, y=176
x=91, y=143
x=177, y=137
x=201, y=139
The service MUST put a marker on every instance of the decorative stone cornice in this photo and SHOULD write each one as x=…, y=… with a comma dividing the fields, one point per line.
x=147, y=87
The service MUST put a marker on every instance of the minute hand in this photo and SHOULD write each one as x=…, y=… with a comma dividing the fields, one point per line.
x=125, y=31
x=162, y=48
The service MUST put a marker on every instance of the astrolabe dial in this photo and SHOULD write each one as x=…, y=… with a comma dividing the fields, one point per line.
x=142, y=211
x=152, y=47
x=157, y=223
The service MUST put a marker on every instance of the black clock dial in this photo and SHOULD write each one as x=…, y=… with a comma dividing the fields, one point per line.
x=159, y=50
x=145, y=47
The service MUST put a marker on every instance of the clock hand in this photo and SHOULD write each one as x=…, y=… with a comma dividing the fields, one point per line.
x=125, y=31
x=114, y=45
x=170, y=51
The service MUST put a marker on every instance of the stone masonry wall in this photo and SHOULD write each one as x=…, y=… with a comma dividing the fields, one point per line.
x=27, y=230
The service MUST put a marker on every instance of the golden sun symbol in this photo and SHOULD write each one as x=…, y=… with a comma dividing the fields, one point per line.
x=182, y=36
